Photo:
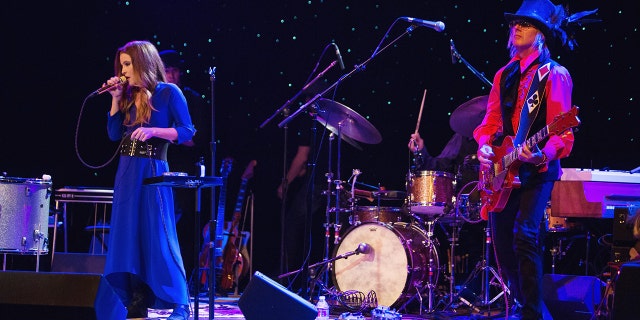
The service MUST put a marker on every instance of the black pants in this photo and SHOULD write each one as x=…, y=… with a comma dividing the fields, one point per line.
x=518, y=247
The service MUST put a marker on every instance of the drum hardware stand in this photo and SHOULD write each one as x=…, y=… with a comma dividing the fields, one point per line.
x=38, y=237
x=432, y=273
x=559, y=251
x=556, y=255
x=486, y=270
x=455, y=228
x=431, y=284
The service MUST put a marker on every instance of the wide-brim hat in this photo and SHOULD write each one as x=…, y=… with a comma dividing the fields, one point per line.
x=552, y=20
x=541, y=13
x=171, y=59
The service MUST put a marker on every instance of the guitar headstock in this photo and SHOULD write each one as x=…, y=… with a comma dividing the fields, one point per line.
x=248, y=171
x=225, y=168
x=565, y=121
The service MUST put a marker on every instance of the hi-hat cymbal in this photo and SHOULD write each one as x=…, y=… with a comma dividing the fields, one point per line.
x=466, y=117
x=334, y=115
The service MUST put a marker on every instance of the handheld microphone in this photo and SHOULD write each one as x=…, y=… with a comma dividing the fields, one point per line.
x=102, y=90
x=340, y=62
x=435, y=25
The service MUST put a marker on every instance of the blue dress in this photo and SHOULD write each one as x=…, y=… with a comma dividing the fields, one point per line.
x=143, y=240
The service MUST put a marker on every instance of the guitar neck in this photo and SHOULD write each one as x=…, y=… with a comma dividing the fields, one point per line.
x=220, y=218
x=512, y=156
x=241, y=192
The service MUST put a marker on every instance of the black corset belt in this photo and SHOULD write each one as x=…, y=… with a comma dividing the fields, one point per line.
x=153, y=148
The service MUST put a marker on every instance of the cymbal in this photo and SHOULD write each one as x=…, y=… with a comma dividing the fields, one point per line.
x=466, y=117
x=334, y=115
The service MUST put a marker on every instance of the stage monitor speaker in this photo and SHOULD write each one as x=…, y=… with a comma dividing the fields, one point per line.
x=54, y=296
x=571, y=297
x=78, y=262
x=265, y=299
x=626, y=294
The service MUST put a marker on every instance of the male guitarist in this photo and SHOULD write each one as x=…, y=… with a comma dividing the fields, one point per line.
x=527, y=95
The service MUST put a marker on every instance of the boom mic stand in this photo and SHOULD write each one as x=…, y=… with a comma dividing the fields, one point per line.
x=357, y=68
x=362, y=248
x=456, y=55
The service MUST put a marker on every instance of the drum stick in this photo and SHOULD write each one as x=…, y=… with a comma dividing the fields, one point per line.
x=420, y=113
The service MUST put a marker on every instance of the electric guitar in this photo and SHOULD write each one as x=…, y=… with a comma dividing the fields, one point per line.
x=218, y=239
x=496, y=182
x=233, y=259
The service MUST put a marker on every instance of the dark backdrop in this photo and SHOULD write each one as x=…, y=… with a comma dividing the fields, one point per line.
x=56, y=52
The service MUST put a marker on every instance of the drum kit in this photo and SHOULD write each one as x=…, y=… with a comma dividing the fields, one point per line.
x=396, y=255
x=24, y=216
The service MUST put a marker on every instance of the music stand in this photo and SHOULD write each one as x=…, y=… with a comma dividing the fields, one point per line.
x=192, y=182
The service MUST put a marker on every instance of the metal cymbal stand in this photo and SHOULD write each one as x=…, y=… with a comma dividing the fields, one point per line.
x=489, y=277
x=433, y=271
x=336, y=225
x=455, y=230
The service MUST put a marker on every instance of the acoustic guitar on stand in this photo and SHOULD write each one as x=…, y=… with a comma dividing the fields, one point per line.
x=496, y=182
x=233, y=259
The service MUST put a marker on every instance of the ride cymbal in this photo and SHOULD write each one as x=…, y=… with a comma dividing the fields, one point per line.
x=466, y=117
x=334, y=115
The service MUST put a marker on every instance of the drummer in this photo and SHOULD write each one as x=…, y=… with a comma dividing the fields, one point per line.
x=458, y=156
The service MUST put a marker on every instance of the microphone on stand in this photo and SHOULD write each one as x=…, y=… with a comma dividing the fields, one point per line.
x=435, y=25
x=454, y=54
x=340, y=62
x=122, y=80
x=363, y=248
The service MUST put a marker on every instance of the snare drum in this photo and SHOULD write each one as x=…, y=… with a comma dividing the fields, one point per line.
x=24, y=215
x=378, y=214
x=430, y=191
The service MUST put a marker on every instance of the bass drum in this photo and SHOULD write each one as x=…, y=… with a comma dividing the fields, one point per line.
x=400, y=259
x=379, y=214
x=24, y=215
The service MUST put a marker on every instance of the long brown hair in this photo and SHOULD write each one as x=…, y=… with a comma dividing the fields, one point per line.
x=148, y=67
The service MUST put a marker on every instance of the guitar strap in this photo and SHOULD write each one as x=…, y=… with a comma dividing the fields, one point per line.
x=533, y=102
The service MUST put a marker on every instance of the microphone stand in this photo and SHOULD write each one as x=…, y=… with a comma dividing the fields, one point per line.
x=294, y=98
x=455, y=54
x=326, y=261
x=213, y=220
x=285, y=182
x=356, y=68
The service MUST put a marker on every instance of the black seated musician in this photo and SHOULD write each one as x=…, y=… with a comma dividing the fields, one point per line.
x=516, y=228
